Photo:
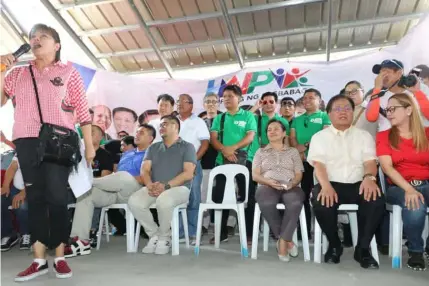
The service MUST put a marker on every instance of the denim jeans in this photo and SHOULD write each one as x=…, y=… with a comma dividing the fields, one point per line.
x=6, y=217
x=194, y=203
x=414, y=220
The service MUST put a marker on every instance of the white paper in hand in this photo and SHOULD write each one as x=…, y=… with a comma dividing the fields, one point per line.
x=80, y=181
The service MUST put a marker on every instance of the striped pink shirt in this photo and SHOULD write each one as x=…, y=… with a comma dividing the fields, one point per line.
x=61, y=95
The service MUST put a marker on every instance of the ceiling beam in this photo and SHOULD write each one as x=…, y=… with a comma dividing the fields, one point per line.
x=151, y=39
x=343, y=25
x=72, y=34
x=231, y=33
x=285, y=57
x=329, y=36
x=12, y=26
x=203, y=16
x=83, y=4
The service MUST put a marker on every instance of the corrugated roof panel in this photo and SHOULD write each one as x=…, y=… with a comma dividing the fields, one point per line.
x=348, y=10
x=423, y=6
x=250, y=48
x=397, y=31
x=294, y=17
x=313, y=41
x=406, y=6
x=296, y=43
x=343, y=37
x=380, y=32
x=367, y=9
x=362, y=35
x=143, y=62
x=222, y=52
x=245, y=22
x=265, y=47
x=388, y=7
x=313, y=14
x=208, y=54
x=280, y=45
x=277, y=18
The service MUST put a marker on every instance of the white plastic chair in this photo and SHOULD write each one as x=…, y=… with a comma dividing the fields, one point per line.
x=351, y=210
x=174, y=229
x=266, y=231
x=129, y=222
x=229, y=202
x=396, y=228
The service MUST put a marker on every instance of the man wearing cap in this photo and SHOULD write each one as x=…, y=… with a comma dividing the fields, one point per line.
x=389, y=73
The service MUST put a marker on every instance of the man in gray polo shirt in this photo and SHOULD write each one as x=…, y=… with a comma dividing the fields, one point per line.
x=167, y=170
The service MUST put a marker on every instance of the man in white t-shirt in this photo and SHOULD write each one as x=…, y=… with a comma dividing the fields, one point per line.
x=389, y=74
x=14, y=196
x=193, y=130
x=165, y=107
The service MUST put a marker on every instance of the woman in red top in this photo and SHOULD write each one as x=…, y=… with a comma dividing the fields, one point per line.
x=62, y=98
x=403, y=152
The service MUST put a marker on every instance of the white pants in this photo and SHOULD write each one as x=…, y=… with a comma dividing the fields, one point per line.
x=140, y=202
x=111, y=189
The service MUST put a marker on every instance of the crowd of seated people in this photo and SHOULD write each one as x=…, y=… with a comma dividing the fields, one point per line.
x=316, y=161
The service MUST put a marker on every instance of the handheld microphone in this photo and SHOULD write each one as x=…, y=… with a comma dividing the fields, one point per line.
x=19, y=52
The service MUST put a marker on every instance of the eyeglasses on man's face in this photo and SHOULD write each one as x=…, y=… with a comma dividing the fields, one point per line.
x=287, y=104
x=211, y=101
x=339, y=109
x=269, y=101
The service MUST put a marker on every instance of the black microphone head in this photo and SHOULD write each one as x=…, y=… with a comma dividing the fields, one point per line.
x=22, y=50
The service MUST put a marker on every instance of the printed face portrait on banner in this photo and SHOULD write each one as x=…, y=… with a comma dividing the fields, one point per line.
x=101, y=116
x=124, y=119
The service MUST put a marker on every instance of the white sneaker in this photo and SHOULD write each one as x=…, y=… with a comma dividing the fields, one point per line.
x=293, y=251
x=151, y=245
x=284, y=258
x=162, y=247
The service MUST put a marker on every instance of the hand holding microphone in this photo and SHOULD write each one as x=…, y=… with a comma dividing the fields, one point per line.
x=7, y=61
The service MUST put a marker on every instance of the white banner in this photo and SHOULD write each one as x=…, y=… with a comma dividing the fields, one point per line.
x=134, y=96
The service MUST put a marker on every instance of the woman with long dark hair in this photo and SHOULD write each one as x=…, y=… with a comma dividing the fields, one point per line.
x=47, y=95
x=403, y=153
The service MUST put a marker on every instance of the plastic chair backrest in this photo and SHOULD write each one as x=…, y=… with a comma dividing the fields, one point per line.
x=230, y=171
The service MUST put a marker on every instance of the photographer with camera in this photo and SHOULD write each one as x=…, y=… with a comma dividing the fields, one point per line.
x=391, y=80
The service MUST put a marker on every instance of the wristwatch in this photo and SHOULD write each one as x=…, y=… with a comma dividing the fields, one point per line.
x=370, y=176
x=167, y=186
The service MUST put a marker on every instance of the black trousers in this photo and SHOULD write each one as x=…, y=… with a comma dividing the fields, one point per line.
x=369, y=214
x=307, y=185
x=47, y=195
x=249, y=212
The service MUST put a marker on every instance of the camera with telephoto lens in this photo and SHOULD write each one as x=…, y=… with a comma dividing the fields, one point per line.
x=409, y=80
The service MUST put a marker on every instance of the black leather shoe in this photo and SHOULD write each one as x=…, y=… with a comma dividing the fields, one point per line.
x=333, y=255
x=365, y=259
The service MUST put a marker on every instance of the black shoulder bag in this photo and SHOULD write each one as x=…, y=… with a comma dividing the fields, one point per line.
x=58, y=144
x=240, y=154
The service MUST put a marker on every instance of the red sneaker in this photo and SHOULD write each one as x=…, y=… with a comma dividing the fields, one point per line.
x=77, y=247
x=62, y=269
x=33, y=271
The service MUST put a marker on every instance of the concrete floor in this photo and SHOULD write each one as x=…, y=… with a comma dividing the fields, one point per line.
x=113, y=266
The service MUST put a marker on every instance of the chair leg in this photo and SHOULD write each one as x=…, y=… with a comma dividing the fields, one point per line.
x=374, y=250
x=304, y=235
x=397, y=237
x=266, y=235
x=199, y=227
x=242, y=229
x=425, y=233
x=185, y=225
x=390, y=233
x=317, y=242
x=218, y=223
x=130, y=230
x=255, y=235
x=353, y=227
x=100, y=227
x=175, y=232
x=107, y=225
x=137, y=237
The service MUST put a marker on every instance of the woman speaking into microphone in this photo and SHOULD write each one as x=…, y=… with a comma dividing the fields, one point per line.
x=47, y=96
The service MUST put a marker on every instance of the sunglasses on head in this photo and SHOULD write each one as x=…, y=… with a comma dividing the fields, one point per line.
x=270, y=101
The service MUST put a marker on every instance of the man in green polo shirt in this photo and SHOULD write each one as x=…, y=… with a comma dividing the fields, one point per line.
x=269, y=106
x=302, y=129
x=238, y=132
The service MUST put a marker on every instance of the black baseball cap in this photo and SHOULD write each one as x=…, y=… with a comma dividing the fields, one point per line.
x=388, y=64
